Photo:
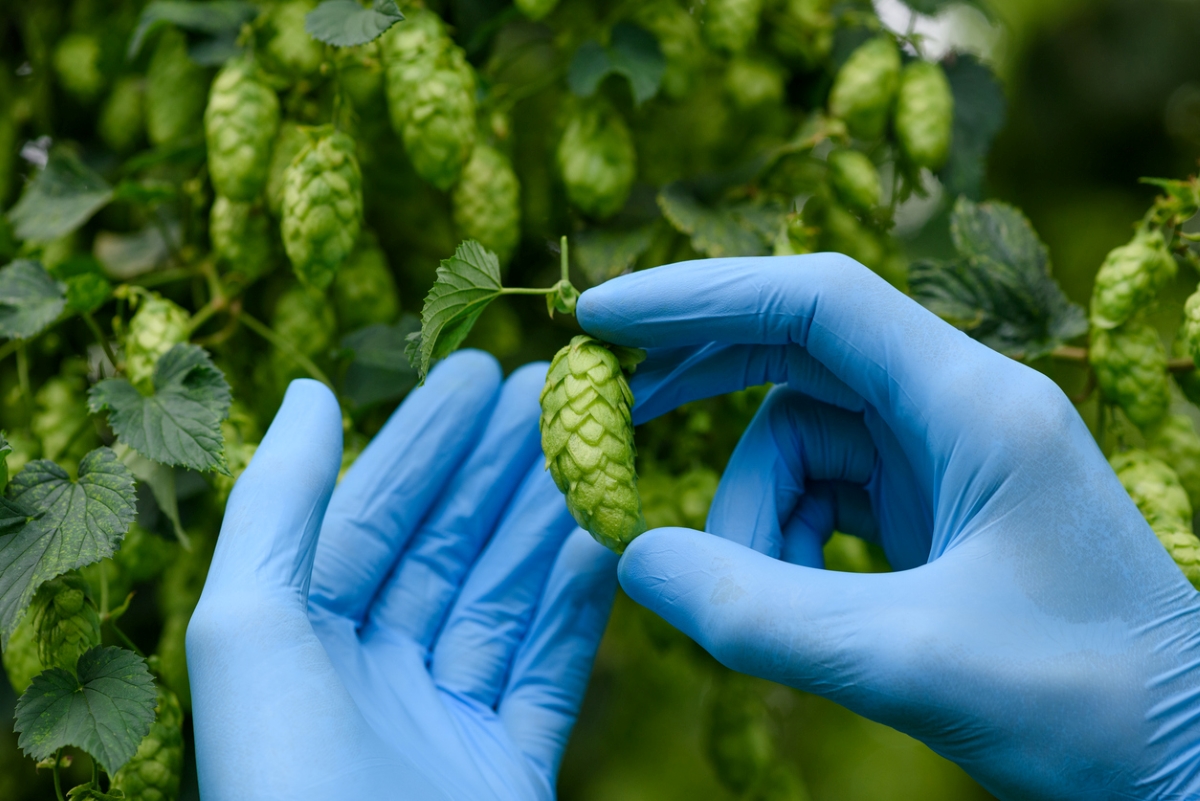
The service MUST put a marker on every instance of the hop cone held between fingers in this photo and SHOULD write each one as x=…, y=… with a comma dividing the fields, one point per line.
x=587, y=436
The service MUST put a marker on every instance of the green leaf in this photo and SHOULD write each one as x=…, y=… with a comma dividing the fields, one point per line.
x=105, y=708
x=744, y=229
x=604, y=254
x=161, y=481
x=934, y=7
x=465, y=285
x=218, y=19
x=345, y=23
x=378, y=371
x=5, y=450
x=979, y=111
x=13, y=515
x=1000, y=291
x=76, y=523
x=62, y=197
x=30, y=300
x=632, y=53
x=180, y=423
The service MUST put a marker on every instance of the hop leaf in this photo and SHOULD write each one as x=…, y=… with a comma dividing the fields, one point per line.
x=106, y=711
x=30, y=300
x=77, y=523
x=63, y=196
x=344, y=23
x=240, y=123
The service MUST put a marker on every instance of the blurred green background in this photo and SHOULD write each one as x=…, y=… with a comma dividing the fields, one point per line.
x=1101, y=92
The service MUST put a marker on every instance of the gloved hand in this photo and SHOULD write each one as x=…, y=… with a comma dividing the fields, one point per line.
x=1035, y=632
x=435, y=639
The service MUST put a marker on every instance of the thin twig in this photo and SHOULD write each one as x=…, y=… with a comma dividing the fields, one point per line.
x=57, y=780
x=103, y=340
x=287, y=347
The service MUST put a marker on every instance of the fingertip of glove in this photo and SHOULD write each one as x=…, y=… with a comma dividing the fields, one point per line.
x=311, y=406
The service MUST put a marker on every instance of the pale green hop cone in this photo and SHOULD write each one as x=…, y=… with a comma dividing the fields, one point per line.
x=865, y=87
x=1154, y=488
x=240, y=124
x=597, y=159
x=291, y=139
x=924, y=120
x=1190, y=329
x=730, y=25
x=753, y=81
x=1174, y=440
x=77, y=62
x=153, y=772
x=1184, y=548
x=739, y=744
x=176, y=90
x=854, y=179
x=21, y=661
x=1130, y=277
x=535, y=9
x=364, y=292
x=66, y=621
x=487, y=202
x=587, y=436
x=290, y=50
x=1131, y=368
x=123, y=116
x=322, y=207
x=158, y=326
x=241, y=236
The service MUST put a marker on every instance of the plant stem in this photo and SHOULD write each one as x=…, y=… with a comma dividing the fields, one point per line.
x=564, y=261
x=527, y=291
x=289, y=349
x=163, y=277
x=103, y=340
x=125, y=638
x=57, y=779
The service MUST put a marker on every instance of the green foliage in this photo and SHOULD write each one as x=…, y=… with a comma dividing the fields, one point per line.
x=30, y=300
x=63, y=196
x=158, y=326
x=345, y=23
x=979, y=112
x=730, y=25
x=587, y=436
x=106, y=707
x=289, y=49
x=240, y=123
x=364, y=292
x=1131, y=369
x=152, y=774
x=66, y=621
x=632, y=53
x=854, y=179
x=1162, y=500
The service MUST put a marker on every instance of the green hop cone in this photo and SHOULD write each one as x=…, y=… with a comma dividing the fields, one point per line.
x=1130, y=278
x=1131, y=369
x=60, y=415
x=305, y=318
x=21, y=661
x=158, y=326
x=240, y=124
x=596, y=159
x=1154, y=487
x=123, y=116
x=1189, y=332
x=865, y=87
x=678, y=37
x=176, y=90
x=804, y=36
x=322, y=207
x=290, y=50
x=1174, y=441
x=153, y=772
x=241, y=236
x=1184, y=548
x=924, y=120
x=487, y=202
x=738, y=741
x=143, y=555
x=794, y=237
x=536, y=9
x=292, y=138
x=66, y=621
x=364, y=292
x=752, y=81
x=587, y=436
x=730, y=25
x=855, y=180
x=77, y=62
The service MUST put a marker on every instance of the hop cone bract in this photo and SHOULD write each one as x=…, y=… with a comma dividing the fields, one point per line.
x=1131, y=369
x=291, y=139
x=66, y=621
x=290, y=50
x=365, y=290
x=176, y=90
x=1162, y=500
x=1130, y=277
x=587, y=436
x=924, y=114
x=322, y=208
x=865, y=86
x=158, y=326
x=854, y=179
x=153, y=772
x=487, y=202
x=122, y=118
x=241, y=236
x=21, y=661
x=597, y=159
x=730, y=25
x=240, y=124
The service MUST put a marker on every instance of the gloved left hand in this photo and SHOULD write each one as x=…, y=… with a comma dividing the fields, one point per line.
x=429, y=635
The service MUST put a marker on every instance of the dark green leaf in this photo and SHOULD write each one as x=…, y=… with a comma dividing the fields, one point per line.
x=30, y=300
x=5, y=450
x=633, y=53
x=161, y=481
x=180, y=422
x=76, y=523
x=934, y=7
x=145, y=192
x=345, y=23
x=379, y=371
x=12, y=515
x=212, y=18
x=979, y=109
x=465, y=285
x=1000, y=290
x=62, y=197
x=604, y=254
x=106, y=708
x=743, y=229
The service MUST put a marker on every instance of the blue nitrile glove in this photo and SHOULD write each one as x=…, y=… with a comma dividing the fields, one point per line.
x=434, y=641
x=1035, y=631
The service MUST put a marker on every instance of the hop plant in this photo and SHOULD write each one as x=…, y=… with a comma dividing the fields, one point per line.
x=364, y=292
x=431, y=97
x=77, y=62
x=240, y=123
x=291, y=139
x=865, y=87
x=66, y=621
x=487, y=202
x=1188, y=381
x=176, y=90
x=794, y=237
x=238, y=453
x=924, y=118
x=695, y=491
x=587, y=436
x=241, y=235
x=805, y=34
x=1131, y=370
x=854, y=179
x=1184, y=548
x=322, y=207
x=738, y=741
x=60, y=413
x=536, y=9
x=679, y=39
x=290, y=50
x=158, y=326
x=1130, y=278
x=1175, y=442
x=752, y=81
x=597, y=159
x=21, y=661
x=305, y=318
x=143, y=555
x=153, y=772
x=1160, y=497
x=123, y=117
x=730, y=25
